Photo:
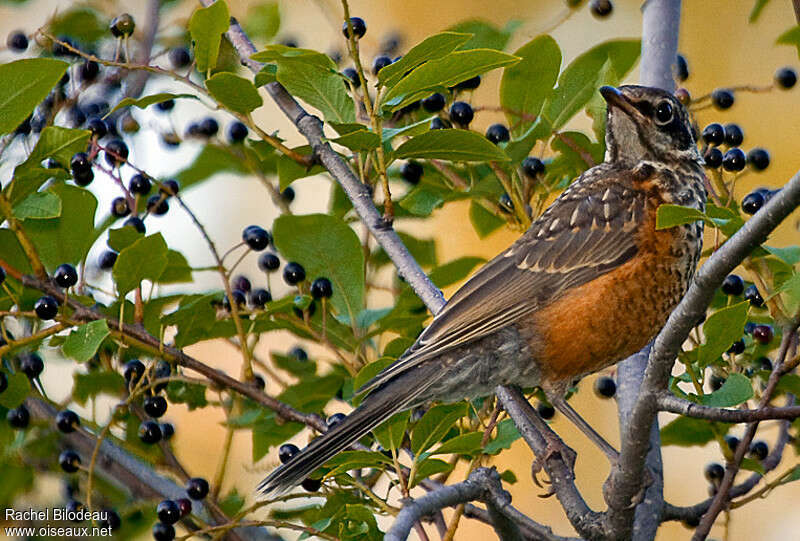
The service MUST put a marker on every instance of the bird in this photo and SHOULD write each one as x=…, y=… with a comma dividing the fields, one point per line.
x=589, y=283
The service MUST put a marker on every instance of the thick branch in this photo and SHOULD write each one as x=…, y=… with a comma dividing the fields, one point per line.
x=626, y=478
x=587, y=522
x=358, y=193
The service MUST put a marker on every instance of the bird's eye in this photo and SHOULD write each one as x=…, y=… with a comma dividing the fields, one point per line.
x=664, y=112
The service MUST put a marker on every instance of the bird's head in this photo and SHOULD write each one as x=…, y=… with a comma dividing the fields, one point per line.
x=645, y=123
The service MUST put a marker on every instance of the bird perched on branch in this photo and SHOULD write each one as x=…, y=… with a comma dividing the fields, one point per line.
x=590, y=282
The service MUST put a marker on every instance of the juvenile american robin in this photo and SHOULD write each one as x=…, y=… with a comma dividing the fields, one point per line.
x=589, y=283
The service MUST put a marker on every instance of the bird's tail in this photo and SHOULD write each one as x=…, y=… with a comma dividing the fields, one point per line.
x=392, y=397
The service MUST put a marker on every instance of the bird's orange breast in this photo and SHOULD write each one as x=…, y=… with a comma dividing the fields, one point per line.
x=599, y=323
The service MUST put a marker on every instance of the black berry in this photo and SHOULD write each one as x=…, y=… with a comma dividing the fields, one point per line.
x=759, y=449
x=751, y=294
x=733, y=135
x=737, y=347
x=83, y=179
x=67, y=421
x=139, y=184
x=714, y=134
x=239, y=298
x=722, y=98
x=116, y=152
x=112, y=520
x=208, y=127
x=237, y=131
x=752, y=202
x=470, y=84
x=298, y=353
x=150, y=432
x=359, y=27
x=161, y=371
x=734, y=160
x=179, y=57
x=294, y=273
x=286, y=452
x=122, y=25
x=257, y=238
x=167, y=430
x=241, y=283
x=605, y=387
x=601, y=8
x=46, y=307
x=681, y=68
x=197, y=488
x=69, y=461
x=259, y=382
x=763, y=334
x=713, y=157
x=379, y=63
x=714, y=472
x=269, y=262
x=497, y=133
x=155, y=406
x=107, y=259
x=321, y=288
x=260, y=297
x=352, y=76
x=120, y=207
x=786, y=77
x=288, y=194
x=545, y=410
x=65, y=275
x=439, y=124
x=80, y=163
x=311, y=485
x=335, y=419
x=163, y=532
x=165, y=106
x=157, y=205
x=3, y=382
x=758, y=158
x=716, y=382
x=169, y=187
x=532, y=167
x=461, y=113
x=61, y=48
x=136, y=223
x=433, y=103
x=168, y=512
x=89, y=71
x=2, y=275
x=185, y=505
x=17, y=41
x=411, y=172
x=133, y=371
x=18, y=417
x=732, y=442
x=31, y=364
x=732, y=285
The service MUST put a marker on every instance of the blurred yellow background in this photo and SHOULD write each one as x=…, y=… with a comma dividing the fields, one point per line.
x=722, y=49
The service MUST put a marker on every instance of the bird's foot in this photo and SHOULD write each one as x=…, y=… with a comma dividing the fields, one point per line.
x=554, y=447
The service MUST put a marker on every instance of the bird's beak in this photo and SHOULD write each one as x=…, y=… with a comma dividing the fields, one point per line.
x=617, y=99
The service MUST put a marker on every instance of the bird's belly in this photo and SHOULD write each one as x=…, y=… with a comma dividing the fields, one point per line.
x=603, y=321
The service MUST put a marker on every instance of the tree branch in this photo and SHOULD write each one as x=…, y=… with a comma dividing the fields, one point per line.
x=626, y=477
x=670, y=403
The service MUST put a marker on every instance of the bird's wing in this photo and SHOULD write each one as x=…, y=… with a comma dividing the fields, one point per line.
x=584, y=234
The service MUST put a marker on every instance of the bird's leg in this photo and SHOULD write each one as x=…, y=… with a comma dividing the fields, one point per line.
x=560, y=403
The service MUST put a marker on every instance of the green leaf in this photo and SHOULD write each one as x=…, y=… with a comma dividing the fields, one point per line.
x=751, y=464
x=94, y=383
x=326, y=247
x=194, y=317
x=580, y=80
x=527, y=84
x=465, y=444
x=507, y=434
x=789, y=383
x=177, y=270
x=758, y=7
x=482, y=220
x=294, y=365
x=212, y=159
x=722, y=329
x=145, y=259
x=370, y=371
x=312, y=394
x=428, y=467
x=359, y=140
x=687, y=432
x=790, y=291
x=353, y=460
x=191, y=394
x=736, y=389
x=18, y=388
x=431, y=48
x=390, y=433
x=147, y=101
x=65, y=239
x=206, y=28
x=421, y=201
x=453, y=145
x=791, y=37
x=485, y=35
x=268, y=74
x=78, y=23
x=289, y=170
x=83, y=342
x=122, y=237
x=789, y=254
x=25, y=83
x=39, y=205
x=234, y=92
x=434, y=425
x=673, y=215
x=268, y=433
x=263, y=20
x=444, y=72
x=454, y=271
